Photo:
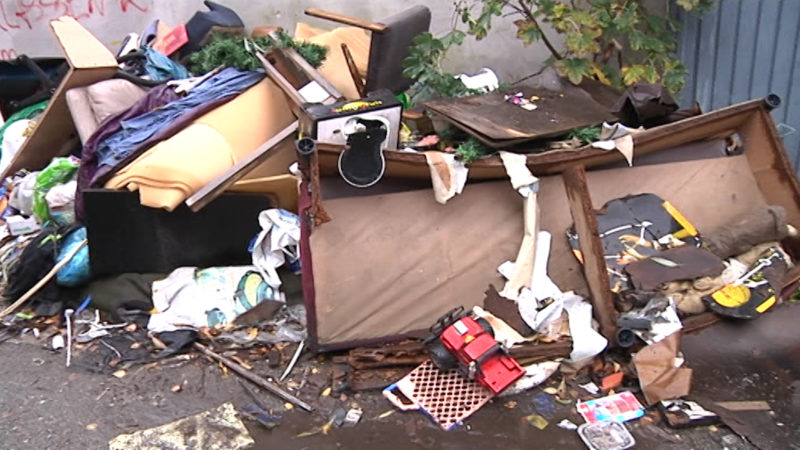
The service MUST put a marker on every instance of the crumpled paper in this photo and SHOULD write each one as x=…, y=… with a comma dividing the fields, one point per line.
x=448, y=175
x=586, y=342
x=278, y=240
x=659, y=371
x=528, y=186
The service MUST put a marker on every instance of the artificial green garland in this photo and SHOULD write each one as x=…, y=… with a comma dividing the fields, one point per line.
x=233, y=51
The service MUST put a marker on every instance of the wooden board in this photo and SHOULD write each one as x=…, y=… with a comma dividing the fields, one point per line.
x=495, y=120
x=580, y=203
x=89, y=62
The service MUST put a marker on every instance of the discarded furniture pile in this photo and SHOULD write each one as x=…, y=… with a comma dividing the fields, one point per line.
x=284, y=199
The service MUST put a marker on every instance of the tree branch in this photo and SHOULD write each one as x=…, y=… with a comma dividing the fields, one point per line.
x=546, y=41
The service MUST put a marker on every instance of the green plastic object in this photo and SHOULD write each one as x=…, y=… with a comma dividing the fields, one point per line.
x=60, y=170
x=25, y=113
x=403, y=97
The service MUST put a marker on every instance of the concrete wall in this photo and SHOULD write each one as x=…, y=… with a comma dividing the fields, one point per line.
x=24, y=26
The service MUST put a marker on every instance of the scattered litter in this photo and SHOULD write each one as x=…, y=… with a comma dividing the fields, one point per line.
x=216, y=428
x=91, y=427
x=535, y=374
x=57, y=343
x=120, y=373
x=590, y=387
x=684, y=413
x=386, y=414
x=260, y=415
x=537, y=421
x=661, y=376
x=352, y=417
x=520, y=100
x=606, y=435
x=612, y=381
x=621, y=407
x=176, y=388
x=567, y=425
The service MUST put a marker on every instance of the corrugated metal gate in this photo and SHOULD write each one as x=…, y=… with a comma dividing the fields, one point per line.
x=745, y=49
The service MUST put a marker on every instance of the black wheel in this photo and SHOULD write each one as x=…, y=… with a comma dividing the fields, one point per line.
x=441, y=356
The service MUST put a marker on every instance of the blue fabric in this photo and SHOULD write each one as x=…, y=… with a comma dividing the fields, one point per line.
x=138, y=129
x=161, y=68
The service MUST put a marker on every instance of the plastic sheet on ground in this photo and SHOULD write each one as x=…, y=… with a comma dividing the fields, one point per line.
x=219, y=428
x=192, y=298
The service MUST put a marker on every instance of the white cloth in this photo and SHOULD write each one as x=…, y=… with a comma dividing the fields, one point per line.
x=278, y=240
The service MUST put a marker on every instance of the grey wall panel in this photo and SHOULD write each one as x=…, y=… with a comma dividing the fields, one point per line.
x=745, y=49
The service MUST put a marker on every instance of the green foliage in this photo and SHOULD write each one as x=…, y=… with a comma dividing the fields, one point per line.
x=618, y=42
x=424, y=66
x=471, y=149
x=237, y=51
x=586, y=135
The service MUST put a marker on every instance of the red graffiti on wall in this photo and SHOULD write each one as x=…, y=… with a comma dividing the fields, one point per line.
x=7, y=53
x=26, y=14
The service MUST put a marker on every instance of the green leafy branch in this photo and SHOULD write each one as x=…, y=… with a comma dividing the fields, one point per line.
x=618, y=42
x=237, y=51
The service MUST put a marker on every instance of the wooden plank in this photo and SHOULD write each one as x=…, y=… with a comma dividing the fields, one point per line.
x=594, y=266
x=312, y=73
x=212, y=190
x=492, y=116
x=745, y=405
x=55, y=127
x=80, y=47
x=90, y=61
x=347, y=20
x=726, y=53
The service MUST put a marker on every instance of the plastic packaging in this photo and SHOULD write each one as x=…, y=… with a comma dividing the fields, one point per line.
x=606, y=435
x=76, y=272
x=60, y=170
x=61, y=202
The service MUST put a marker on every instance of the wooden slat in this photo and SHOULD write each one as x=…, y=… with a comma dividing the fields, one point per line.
x=594, y=267
x=347, y=20
x=212, y=190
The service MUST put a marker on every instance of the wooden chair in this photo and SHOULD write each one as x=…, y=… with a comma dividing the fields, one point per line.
x=391, y=39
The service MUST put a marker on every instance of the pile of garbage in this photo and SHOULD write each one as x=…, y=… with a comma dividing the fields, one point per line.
x=243, y=199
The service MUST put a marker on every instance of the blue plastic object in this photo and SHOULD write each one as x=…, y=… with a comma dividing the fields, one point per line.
x=76, y=272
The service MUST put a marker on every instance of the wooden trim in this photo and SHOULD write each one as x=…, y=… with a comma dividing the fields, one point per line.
x=212, y=190
x=594, y=264
x=312, y=73
x=376, y=27
x=351, y=66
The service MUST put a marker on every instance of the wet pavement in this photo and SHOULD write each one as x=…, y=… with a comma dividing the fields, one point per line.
x=45, y=405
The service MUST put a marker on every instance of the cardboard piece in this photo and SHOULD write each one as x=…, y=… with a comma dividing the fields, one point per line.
x=55, y=135
x=659, y=375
